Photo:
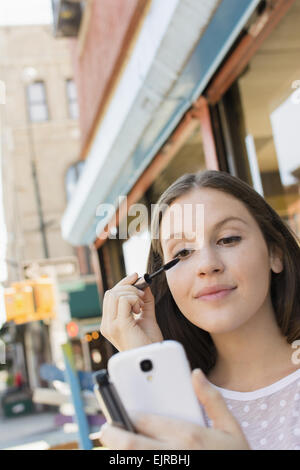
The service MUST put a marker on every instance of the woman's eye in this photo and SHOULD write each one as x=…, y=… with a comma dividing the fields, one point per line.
x=183, y=253
x=230, y=240
x=226, y=241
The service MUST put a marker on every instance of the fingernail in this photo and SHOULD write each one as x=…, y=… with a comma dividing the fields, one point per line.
x=200, y=375
x=102, y=429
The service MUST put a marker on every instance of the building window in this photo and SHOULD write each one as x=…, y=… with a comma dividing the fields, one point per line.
x=37, y=102
x=72, y=99
x=135, y=253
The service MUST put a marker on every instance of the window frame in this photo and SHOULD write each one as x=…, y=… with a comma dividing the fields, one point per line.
x=71, y=101
x=31, y=103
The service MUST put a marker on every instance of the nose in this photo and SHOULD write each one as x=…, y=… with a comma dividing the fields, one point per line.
x=209, y=262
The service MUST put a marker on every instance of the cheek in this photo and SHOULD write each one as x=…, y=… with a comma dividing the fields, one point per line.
x=180, y=281
x=250, y=270
x=250, y=265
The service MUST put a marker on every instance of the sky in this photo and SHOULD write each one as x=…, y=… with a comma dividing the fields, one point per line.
x=13, y=12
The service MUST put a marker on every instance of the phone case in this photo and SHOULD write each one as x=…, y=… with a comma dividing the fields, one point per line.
x=166, y=389
x=110, y=403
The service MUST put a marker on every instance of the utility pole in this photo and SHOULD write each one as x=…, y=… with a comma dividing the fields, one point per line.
x=29, y=74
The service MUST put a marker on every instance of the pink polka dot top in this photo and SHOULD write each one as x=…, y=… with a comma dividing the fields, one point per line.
x=269, y=416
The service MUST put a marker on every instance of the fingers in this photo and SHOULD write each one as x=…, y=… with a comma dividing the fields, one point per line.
x=155, y=425
x=119, y=324
x=214, y=403
x=117, y=313
x=148, y=296
x=128, y=280
x=119, y=439
x=186, y=435
x=112, y=297
x=126, y=305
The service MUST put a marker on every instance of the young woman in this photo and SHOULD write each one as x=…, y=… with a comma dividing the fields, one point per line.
x=233, y=301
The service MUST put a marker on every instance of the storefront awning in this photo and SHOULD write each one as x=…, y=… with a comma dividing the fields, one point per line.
x=180, y=46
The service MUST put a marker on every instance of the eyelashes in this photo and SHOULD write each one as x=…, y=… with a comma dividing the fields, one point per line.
x=232, y=239
x=185, y=252
x=181, y=255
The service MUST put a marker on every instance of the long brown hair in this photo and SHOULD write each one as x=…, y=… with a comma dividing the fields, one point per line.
x=285, y=286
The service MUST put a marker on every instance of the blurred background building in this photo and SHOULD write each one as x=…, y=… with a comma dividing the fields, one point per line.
x=41, y=141
x=40, y=149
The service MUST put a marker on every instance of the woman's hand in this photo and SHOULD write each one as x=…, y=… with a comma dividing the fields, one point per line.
x=118, y=323
x=159, y=432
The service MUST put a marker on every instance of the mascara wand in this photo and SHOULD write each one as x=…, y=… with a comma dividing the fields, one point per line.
x=148, y=277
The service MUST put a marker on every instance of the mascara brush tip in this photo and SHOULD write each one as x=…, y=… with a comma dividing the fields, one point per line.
x=171, y=263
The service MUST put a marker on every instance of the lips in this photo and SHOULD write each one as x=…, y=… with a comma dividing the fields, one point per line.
x=211, y=292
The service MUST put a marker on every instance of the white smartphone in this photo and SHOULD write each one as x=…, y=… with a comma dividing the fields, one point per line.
x=156, y=379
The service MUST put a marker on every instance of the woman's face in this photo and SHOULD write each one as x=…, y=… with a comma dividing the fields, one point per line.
x=227, y=254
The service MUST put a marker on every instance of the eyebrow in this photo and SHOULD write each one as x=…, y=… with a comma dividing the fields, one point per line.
x=216, y=226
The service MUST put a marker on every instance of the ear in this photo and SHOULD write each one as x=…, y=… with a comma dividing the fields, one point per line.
x=276, y=259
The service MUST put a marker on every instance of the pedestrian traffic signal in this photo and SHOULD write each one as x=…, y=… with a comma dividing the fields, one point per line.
x=30, y=300
x=44, y=298
x=9, y=300
x=20, y=302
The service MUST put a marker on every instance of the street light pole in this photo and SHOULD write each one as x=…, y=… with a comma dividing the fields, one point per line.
x=29, y=75
x=37, y=192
